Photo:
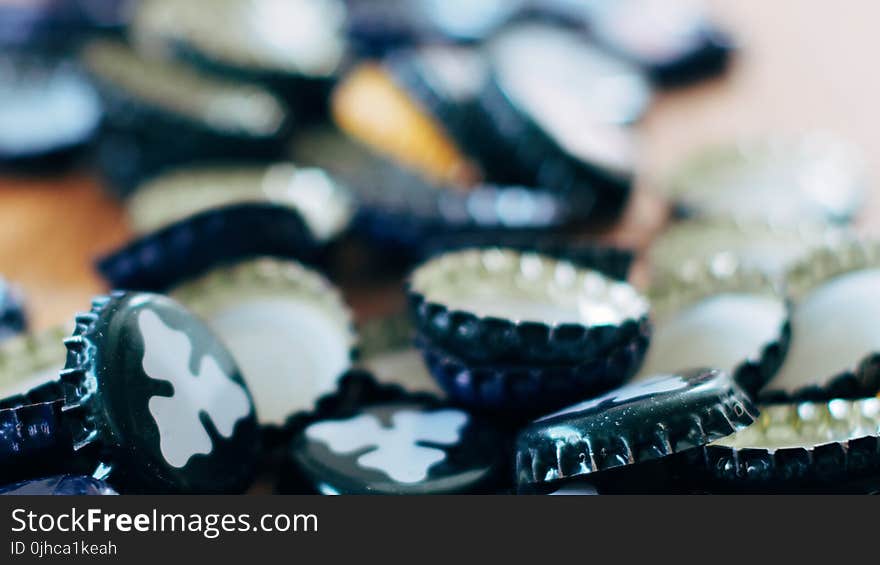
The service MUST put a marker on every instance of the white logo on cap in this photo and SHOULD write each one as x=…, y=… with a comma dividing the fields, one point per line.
x=166, y=358
x=394, y=450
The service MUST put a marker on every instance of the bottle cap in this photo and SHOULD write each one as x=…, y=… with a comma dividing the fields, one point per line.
x=192, y=246
x=551, y=73
x=61, y=485
x=736, y=320
x=687, y=246
x=160, y=114
x=287, y=327
x=543, y=133
x=409, y=446
x=154, y=400
x=835, y=351
x=813, y=177
x=638, y=423
x=324, y=204
x=798, y=448
x=504, y=306
x=49, y=112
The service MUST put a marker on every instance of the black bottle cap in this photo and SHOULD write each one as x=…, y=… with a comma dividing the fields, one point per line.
x=503, y=306
x=160, y=114
x=737, y=320
x=12, y=315
x=156, y=399
x=196, y=244
x=773, y=178
x=835, y=349
x=799, y=448
x=49, y=112
x=60, y=485
x=537, y=140
x=287, y=326
x=409, y=446
x=635, y=424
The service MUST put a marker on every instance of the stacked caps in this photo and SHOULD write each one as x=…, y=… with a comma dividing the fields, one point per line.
x=520, y=333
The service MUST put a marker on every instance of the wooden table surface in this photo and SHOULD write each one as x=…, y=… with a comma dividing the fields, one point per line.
x=804, y=65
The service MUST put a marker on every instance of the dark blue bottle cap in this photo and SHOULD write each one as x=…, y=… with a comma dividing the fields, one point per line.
x=48, y=110
x=719, y=315
x=287, y=327
x=635, y=424
x=61, y=485
x=193, y=246
x=403, y=447
x=148, y=397
x=835, y=348
x=12, y=315
x=829, y=447
x=517, y=391
x=504, y=306
x=160, y=114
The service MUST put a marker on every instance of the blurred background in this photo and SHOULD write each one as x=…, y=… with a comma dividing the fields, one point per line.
x=798, y=66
